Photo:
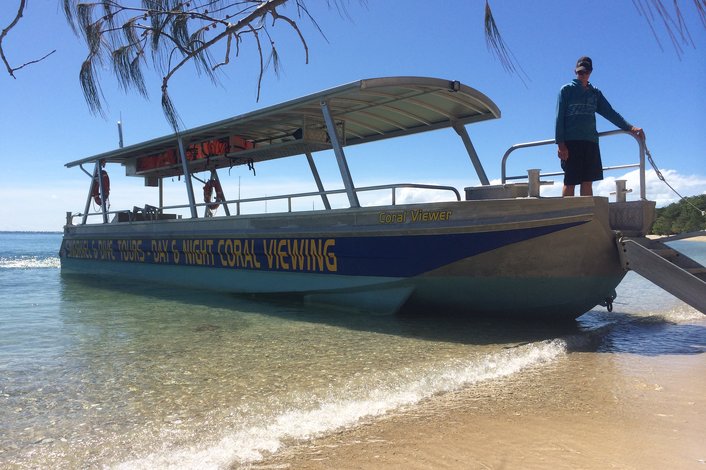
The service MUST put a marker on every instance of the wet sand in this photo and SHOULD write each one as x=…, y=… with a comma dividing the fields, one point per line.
x=588, y=410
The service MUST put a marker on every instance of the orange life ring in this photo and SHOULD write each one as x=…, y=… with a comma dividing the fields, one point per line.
x=208, y=192
x=96, y=189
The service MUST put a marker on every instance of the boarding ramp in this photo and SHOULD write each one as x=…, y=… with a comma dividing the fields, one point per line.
x=666, y=267
x=657, y=262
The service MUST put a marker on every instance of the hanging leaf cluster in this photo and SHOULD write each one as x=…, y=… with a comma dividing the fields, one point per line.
x=127, y=36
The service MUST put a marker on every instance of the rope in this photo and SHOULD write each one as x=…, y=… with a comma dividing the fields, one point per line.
x=664, y=180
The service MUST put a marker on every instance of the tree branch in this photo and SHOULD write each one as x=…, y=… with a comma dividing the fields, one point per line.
x=11, y=70
x=232, y=29
x=259, y=12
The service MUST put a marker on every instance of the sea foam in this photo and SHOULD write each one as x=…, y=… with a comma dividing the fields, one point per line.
x=241, y=447
x=29, y=262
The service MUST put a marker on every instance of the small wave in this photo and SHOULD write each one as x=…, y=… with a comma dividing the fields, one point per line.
x=253, y=444
x=682, y=314
x=677, y=330
x=677, y=313
x=29, y=262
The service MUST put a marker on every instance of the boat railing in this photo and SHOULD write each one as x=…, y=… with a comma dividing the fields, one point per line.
x=154, y=212
x=640, y=164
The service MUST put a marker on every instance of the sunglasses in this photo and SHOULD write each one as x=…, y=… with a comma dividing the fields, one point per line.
x=583, y=72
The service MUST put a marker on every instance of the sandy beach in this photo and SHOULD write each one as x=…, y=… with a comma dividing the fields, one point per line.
x=590, y=411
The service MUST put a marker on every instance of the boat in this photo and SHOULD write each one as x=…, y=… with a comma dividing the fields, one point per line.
x=500, y=250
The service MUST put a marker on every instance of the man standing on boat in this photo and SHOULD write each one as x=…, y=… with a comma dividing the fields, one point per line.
x=576, y=133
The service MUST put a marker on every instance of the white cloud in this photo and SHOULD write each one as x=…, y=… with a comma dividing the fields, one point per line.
x=657, y=190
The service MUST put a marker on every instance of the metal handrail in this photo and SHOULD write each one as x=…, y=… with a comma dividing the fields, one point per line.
x=641, y=164
x=289, y=197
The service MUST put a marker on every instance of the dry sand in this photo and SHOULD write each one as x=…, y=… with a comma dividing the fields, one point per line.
x=588, y=410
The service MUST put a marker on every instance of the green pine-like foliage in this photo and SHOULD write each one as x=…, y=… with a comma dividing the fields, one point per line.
x=681, y=217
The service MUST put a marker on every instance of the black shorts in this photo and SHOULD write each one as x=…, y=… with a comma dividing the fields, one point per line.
x=584, y=162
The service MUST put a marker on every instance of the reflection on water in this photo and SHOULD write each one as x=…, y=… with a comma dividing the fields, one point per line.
x=680, y=331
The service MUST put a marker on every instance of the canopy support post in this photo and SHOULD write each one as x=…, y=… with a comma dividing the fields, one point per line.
x=101, y=191
x=461, y=131
x=97, y=176
x=96, y=167
x=161, y=195
x=340, y=156
x=214, y=175
x=317, y=178
x=187, y=178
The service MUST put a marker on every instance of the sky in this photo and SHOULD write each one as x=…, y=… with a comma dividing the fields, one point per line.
x=45, y=122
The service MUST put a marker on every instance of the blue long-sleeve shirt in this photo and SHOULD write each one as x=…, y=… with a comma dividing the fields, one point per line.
x=576, y=113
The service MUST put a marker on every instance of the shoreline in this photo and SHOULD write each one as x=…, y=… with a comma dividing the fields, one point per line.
x=699, y=238
x=589, y=410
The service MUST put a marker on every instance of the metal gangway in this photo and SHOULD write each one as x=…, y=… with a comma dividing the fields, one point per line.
x=653, y=259
x=666, y=267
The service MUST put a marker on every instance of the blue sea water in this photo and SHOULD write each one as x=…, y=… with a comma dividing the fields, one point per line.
x=113, y=374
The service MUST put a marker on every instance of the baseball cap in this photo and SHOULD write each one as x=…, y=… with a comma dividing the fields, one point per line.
x=584, y=63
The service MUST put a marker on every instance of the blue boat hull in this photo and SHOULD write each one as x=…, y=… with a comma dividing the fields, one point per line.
x=520, y=258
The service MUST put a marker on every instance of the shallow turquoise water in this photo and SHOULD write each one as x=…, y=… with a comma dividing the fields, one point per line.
x=95, y=373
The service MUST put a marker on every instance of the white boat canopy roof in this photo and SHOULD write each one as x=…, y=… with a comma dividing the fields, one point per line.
x=363, y=111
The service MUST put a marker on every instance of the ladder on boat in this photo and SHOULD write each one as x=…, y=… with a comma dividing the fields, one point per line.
x=666, y=267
